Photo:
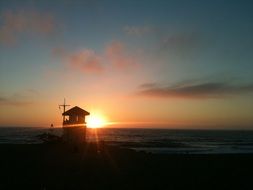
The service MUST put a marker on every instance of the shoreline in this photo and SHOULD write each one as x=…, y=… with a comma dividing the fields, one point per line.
x=154, y=141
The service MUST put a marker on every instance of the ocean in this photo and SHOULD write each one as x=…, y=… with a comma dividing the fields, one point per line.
x=165, y=141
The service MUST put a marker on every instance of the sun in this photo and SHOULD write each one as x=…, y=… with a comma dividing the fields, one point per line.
x=96, y=121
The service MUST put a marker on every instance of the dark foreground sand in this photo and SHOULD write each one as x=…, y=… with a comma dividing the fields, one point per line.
x=57, y=166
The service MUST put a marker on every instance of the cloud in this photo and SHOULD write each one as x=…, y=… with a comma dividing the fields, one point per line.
x=168, y=39
x=14, y=23
x=12, y=101
x=138, y=30
x=118, y=56
x=114, y=57
x=147, y=85
x=23, y=98
x=58, y=52
x=195, y=90
x=179, y=41
x=86, y=61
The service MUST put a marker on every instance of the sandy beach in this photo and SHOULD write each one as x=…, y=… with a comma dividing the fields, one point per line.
x=92, y=166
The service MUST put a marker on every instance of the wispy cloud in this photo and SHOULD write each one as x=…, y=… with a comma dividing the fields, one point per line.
x=194, y=90
x=14, y=23
x=58, y=52
x=167, y=39
x=12, y=101
x=179, y=41
x=138, y=30
x=115, y=56
x=19, y=99
x=119, y=57
x=86, y=61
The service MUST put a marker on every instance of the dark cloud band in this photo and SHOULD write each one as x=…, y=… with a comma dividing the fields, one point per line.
x=195, y=90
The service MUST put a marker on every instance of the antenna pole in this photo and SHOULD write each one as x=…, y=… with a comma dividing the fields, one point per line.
x=64, y=105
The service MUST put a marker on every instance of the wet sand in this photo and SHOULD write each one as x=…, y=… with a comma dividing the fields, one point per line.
x=58, y=166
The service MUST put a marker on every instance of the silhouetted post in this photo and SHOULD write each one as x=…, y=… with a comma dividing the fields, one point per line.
x=64, y=107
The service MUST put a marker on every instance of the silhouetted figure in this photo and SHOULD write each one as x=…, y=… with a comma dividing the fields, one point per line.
x=51, y=128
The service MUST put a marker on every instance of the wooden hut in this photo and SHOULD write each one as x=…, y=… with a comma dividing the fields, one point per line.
x=74, y=125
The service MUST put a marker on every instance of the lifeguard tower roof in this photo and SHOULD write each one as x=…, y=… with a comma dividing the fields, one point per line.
x=76, y=111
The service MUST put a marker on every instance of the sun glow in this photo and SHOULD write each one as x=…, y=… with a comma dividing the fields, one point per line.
x=96, y=121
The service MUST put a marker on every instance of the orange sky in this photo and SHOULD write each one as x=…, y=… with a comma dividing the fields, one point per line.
x=163, y=66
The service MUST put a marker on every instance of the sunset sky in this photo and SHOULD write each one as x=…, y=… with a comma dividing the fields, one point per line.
x=177, y=64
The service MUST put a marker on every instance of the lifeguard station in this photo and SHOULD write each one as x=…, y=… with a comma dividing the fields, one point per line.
x=74, y=125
